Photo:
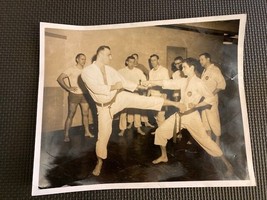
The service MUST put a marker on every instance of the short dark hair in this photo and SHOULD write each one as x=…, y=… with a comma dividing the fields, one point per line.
x=78, y=56
x=128, y=58
x=191, y=61
x=179, y=58
x=102, y=48
x=135, y=54
x=93, y=59
x=154, y=55
x=207, y=55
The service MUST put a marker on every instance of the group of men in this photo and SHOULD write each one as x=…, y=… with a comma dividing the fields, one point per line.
x=132, y=90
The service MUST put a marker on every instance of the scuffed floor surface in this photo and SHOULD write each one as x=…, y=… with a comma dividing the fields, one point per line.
x=130, y=160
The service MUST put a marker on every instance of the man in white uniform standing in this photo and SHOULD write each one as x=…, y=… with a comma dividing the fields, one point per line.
x=192, y=91
x=215, y=82
x=158, y=72
x=144, y=114
x=77, y=95
x=106, y=87
x=135, y=75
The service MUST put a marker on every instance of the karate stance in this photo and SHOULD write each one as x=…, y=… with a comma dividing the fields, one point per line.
x=192, y=91
x=106, y=87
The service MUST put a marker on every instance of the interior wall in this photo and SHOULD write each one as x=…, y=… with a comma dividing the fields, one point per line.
x=60, y=53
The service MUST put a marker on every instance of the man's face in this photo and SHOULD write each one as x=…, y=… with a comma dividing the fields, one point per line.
x=106, y=56
x=204, y=61
x=130, y=63
x=186, y=69
x=177, y=64
x=154, y=61
x=81, y=60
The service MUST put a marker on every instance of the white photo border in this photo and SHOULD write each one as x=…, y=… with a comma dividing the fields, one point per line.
x=181, y=184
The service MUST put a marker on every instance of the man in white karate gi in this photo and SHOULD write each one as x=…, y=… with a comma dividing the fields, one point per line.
x=106, y=87
x=193, y=90
x=215, y=82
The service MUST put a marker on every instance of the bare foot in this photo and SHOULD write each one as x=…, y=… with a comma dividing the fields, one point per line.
x=97, y=169
x=160, y=159
x=121, y=133
x=139, y=130
x=89, y=135
x=66, y=138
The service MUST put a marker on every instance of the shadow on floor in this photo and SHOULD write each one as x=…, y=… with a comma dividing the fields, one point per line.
x=129, y=160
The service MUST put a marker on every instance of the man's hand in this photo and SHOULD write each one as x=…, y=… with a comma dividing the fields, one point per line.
x=145, y=83
x=73, y=89
x=116, y=86
x=141, y=87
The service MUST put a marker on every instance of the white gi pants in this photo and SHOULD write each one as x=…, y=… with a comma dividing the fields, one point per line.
x=192, y=122
x=123, y=100
x=211, y=119
x=133, y=115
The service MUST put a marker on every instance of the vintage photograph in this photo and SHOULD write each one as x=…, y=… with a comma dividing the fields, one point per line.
x=156, y=104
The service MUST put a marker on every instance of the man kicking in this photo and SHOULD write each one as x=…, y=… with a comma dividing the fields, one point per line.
x=106, y=87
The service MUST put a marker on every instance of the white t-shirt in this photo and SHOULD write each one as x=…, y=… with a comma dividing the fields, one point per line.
x=159, y=74
x=134, y=75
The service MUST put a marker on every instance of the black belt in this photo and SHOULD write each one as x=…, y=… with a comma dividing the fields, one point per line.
x=180, y=122
x=103, y=104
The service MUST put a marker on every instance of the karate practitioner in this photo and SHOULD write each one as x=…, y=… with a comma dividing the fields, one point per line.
x=158, y=72
x=192, y=91
x=106, y=87
x=77, y=95
x=135, y=75
x=215, y=82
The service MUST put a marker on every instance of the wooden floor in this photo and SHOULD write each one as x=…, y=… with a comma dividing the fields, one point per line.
x=130, y=159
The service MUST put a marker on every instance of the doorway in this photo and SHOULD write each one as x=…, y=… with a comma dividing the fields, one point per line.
x=172, y=53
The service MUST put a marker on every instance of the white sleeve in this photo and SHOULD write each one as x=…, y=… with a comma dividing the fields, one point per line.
x=172, y=84
x=221, y=84
x=141, y=75
x=165, y=74
x=68, y=71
